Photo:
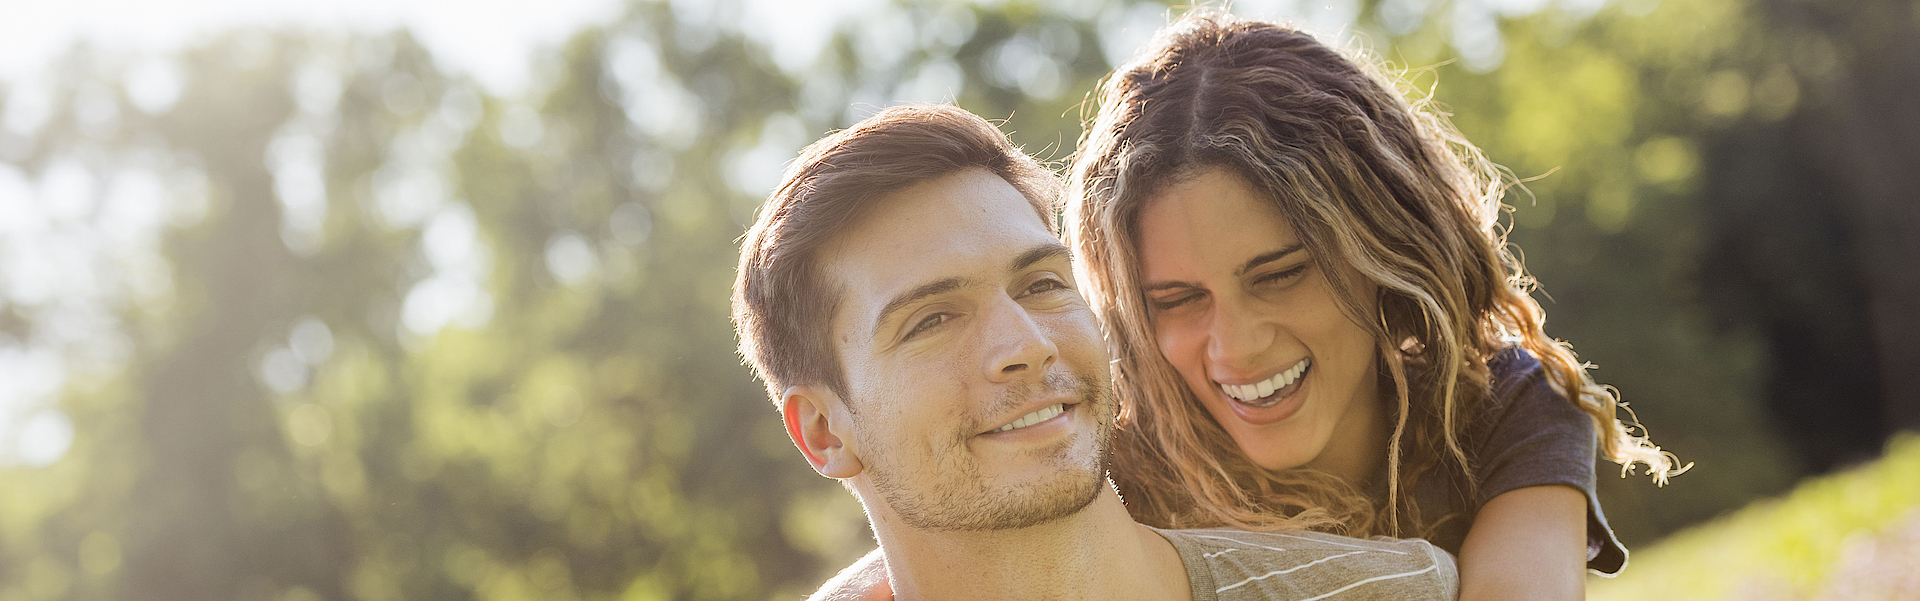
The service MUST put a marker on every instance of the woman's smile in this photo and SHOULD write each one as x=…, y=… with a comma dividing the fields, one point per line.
x=1277, y=407
x=1268, y=391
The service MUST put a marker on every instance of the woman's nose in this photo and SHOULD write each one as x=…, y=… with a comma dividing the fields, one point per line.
x=1238, y=336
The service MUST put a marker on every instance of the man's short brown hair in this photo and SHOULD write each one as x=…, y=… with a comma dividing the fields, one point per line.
x=782, y=305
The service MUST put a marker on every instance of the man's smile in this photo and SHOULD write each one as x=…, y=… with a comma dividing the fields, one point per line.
x=1037, y=416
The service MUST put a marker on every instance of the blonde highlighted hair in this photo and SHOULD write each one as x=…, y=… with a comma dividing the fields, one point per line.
x=1372, y=183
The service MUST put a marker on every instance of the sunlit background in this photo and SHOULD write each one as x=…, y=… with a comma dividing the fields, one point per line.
x=427, y=300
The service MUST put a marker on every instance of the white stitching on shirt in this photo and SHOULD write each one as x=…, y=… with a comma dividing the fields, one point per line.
x=1279, y=572
x=1373, y=579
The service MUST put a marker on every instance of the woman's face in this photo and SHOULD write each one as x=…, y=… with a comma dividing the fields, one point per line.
x=1252, y=325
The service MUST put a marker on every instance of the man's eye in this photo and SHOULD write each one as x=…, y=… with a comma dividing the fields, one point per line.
x=927, y=323
x=1046, y=285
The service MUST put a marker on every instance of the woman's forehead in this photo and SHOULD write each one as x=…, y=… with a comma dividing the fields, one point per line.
x=1209, y=223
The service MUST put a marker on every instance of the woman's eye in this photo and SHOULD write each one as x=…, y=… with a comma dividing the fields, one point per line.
x=1173, y=302
x=1279, y=276
x=927, y=323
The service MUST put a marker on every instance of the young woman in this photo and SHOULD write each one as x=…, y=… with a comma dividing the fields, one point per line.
x=1315, y=320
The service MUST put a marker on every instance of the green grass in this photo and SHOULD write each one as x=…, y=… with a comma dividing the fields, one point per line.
x=1777, y=548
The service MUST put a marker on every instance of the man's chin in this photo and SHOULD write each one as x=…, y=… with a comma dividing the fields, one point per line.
x=958, y=507
x=1055, y=501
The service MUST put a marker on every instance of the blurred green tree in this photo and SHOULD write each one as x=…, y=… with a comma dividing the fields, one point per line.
x=399, y=338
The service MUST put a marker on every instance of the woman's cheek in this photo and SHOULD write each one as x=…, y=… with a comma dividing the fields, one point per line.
x=1168, y=338
x=1181, y=348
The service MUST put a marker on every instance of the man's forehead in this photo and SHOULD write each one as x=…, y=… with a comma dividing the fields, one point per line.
x=967, y=224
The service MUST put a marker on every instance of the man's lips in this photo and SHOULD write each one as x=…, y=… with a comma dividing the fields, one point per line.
x=1035, y=413
x=1038, y=415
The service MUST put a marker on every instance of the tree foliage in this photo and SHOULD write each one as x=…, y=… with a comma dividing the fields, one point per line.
x=377, y=333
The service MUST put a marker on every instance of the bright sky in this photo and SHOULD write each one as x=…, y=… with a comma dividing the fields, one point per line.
x=493, y=40
x=490, y=39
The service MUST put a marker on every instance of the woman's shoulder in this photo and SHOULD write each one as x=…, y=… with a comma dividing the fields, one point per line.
x=1513, y=370
x=1522, y=404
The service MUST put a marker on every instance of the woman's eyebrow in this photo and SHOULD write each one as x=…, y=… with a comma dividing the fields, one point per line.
x=1265, y=258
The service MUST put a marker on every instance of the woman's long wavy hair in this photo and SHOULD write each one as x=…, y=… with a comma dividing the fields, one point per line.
x=1373, y=184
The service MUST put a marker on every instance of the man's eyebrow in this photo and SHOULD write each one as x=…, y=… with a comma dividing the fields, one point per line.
x=939, y=286
x=1266, y=258
x=1044, y=251
x=1026, y=259
x=1263, y=259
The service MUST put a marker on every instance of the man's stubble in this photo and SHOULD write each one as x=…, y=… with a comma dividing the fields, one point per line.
x=964, y=501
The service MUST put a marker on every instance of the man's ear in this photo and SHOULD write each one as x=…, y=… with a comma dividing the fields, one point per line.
x=808, y=411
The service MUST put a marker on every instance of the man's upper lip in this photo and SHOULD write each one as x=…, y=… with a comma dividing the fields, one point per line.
x=1058, y=399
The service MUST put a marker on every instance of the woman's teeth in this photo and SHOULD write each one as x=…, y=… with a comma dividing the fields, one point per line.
x=1040, y=415
x=1257, y=393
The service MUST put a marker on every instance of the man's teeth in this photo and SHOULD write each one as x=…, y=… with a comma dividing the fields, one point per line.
x=1041, y=415
x=1260, y=390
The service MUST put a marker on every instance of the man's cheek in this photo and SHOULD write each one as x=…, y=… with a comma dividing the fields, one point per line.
x=1084, y=345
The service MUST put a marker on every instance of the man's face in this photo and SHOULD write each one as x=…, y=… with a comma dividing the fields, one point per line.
x=979, y=394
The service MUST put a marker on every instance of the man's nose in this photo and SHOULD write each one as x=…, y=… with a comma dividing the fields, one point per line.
x=1017, y=346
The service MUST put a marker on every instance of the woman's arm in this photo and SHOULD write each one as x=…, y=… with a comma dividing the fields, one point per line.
x=1527, y=543
x=865, y=580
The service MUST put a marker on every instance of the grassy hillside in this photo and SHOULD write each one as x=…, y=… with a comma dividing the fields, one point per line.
x=1852, y=535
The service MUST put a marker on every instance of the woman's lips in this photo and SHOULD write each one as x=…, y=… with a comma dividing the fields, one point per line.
x=1280, y=405
x=1271, y=390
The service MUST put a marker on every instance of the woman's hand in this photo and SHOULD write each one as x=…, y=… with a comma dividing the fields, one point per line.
x=865, y=580
x=1527, y=543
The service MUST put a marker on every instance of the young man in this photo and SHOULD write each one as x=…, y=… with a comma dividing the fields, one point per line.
x=906, y=300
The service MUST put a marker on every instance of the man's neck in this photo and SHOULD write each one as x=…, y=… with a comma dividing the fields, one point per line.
x=1096, y=553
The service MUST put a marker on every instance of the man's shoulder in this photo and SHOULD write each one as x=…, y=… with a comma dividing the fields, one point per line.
x=1296, y=541
x=1303, y=564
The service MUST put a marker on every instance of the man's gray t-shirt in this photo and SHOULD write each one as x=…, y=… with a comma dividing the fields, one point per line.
x=1229, y=565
